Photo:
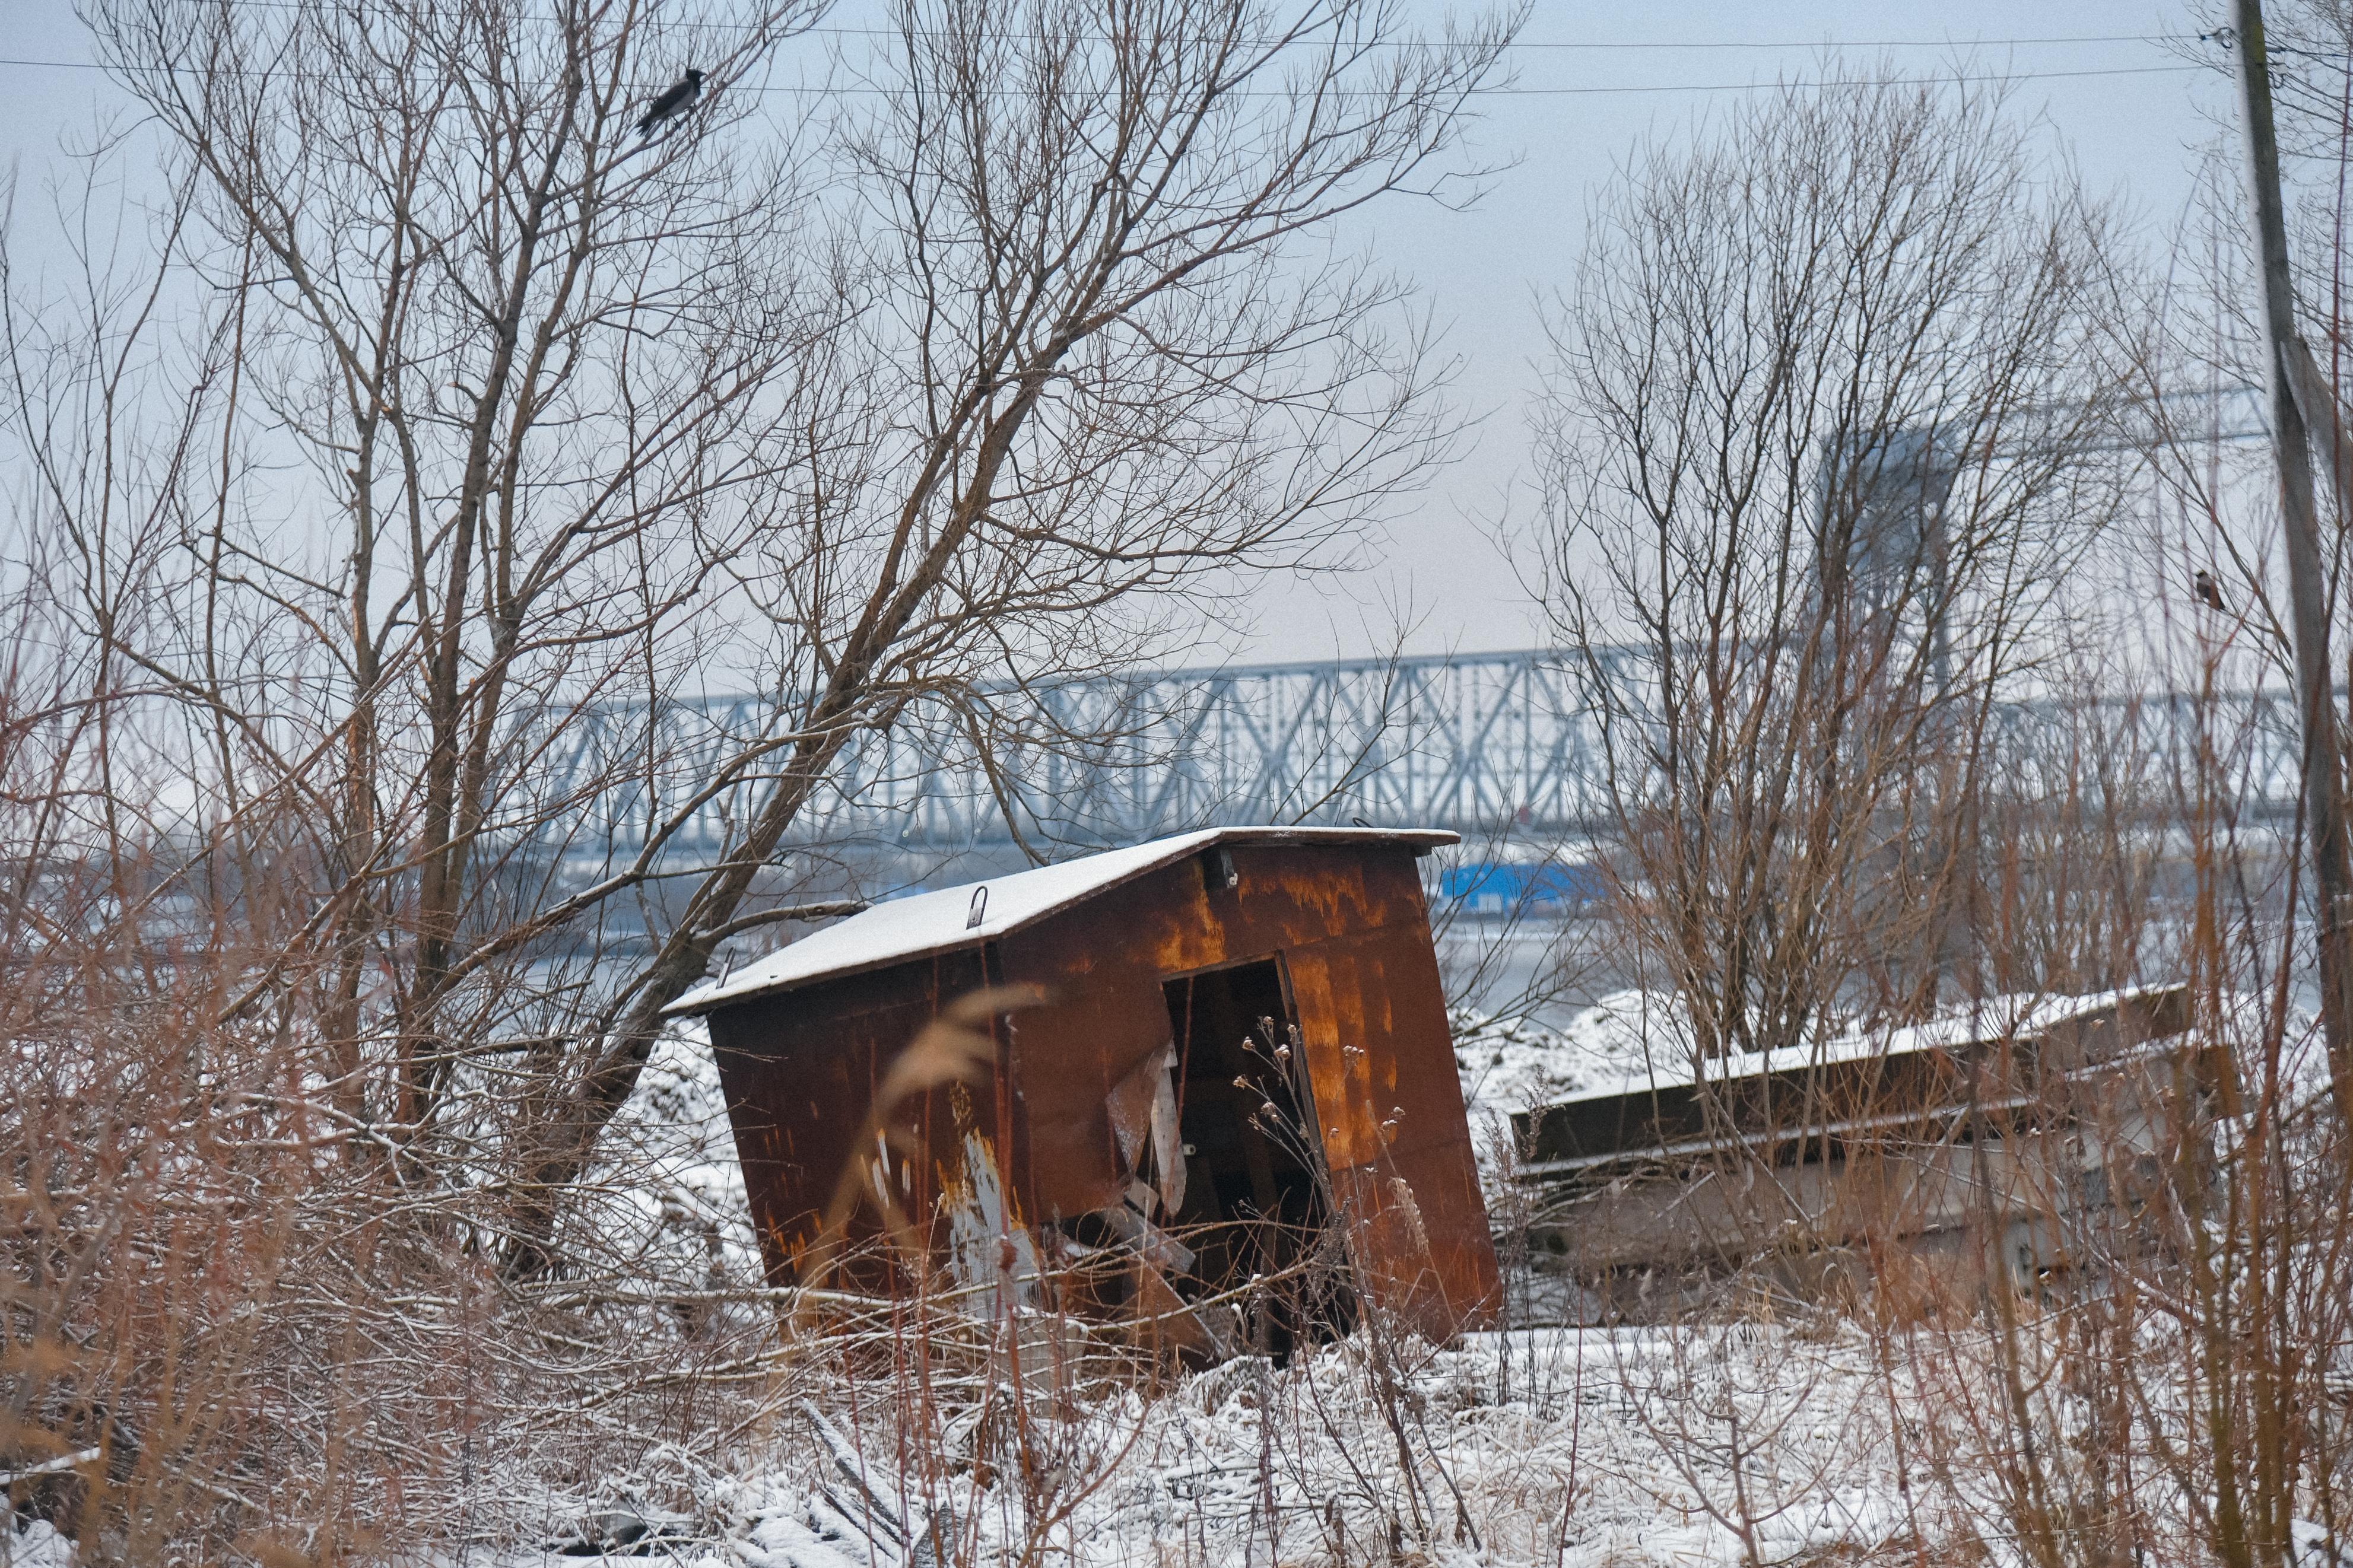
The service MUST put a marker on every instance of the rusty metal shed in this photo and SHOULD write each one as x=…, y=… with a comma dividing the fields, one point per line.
x=1241, y=1058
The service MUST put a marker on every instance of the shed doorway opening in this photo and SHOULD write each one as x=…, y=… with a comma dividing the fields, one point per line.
x=1254, y=1202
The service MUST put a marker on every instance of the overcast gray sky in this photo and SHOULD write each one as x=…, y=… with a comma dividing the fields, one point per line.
x=2137, y=135
x=1590, y=81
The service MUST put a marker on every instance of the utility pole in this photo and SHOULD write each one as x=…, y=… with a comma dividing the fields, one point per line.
x=2324, y=804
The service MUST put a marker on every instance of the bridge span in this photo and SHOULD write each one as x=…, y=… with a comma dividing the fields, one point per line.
x=1484, y=743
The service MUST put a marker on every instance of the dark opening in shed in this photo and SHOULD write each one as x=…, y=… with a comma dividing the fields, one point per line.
x=1233, y=1120
x=1253, y=1206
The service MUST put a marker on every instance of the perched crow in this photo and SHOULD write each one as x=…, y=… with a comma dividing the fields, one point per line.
x=673, y=103
x=2207, y=594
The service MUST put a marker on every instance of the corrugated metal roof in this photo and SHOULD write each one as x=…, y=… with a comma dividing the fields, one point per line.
x=922, y=924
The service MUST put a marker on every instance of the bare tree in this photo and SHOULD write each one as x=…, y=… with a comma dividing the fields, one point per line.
x=483, y=386
x=1104, y=373
x=501, y=427
x=1818, y=453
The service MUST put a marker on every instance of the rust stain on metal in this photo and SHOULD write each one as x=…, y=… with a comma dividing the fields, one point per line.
x=1243, y=1070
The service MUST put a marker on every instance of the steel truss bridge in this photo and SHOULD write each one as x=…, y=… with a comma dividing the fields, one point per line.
x=1489, y=745
x=1486, y=744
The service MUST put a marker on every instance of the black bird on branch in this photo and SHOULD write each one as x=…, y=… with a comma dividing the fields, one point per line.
x=2207, y=592
x=671, y=104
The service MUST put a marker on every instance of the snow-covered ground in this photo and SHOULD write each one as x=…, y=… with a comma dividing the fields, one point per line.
x=1549, y=1445
x=1515, y=1064
x=1761, y=1443
x=1561, y=1448
x=1757, y=1443
x=1747, y=1444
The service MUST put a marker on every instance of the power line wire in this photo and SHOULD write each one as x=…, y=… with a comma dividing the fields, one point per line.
x=829, y=91
x=2051, y=40
x=1548, y=44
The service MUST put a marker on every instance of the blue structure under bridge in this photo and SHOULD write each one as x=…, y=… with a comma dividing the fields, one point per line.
x=1542, y=887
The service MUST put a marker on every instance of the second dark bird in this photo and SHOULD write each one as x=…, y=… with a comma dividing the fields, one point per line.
x=673, y=103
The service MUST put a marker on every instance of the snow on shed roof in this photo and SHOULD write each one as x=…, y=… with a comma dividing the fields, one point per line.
x=2018, y=1016
x=926, y=923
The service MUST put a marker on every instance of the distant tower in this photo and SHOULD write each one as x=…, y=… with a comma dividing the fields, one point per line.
x=1880, y=545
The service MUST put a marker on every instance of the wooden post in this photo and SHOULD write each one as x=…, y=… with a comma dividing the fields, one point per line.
x=2324, y=805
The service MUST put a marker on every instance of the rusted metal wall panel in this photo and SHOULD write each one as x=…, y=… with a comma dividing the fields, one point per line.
x=799, y=1072
x=1354, y=936
x=1396, y=1134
